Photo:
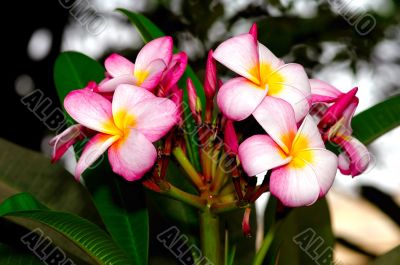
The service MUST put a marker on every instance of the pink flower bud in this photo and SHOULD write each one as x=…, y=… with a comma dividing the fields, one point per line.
x=210, y=82
x=194, y=102
x=246, y=223
x=336, y=111
x=230, y=138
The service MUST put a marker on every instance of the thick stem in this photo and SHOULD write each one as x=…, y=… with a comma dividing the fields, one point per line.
x=188, y=167
x=180, y=195
x=210, y=237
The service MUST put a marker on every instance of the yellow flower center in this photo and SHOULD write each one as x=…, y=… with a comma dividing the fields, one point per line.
x=140, y=76
x=298, y=151
x=266, y=77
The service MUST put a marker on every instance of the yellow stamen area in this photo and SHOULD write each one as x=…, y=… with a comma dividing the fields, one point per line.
x=140, y=76
x=265, y=76
x=298, y=150
x=287, y=139
x=110, y=128
x=255, y=73
x=124, y=120
x=274, y=79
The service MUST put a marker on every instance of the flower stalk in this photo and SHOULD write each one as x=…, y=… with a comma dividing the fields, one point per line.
x=210, y=237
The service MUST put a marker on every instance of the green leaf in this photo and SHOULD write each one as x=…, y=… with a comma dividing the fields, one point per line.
x=29, y=171
x=73, y=70
x=390, y=258
x=377, y=120
x=120, y=204
x=87, y=236
x=298, y=234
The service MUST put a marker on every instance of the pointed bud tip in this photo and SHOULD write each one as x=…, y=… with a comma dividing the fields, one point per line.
x=254, y=31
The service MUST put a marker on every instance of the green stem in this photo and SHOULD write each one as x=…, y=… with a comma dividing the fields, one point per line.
x=188, y=167
x=180, y=195
x=217, y=208
x=188, y=147
x=210, y=237
x=220, y=177
x=262, y=252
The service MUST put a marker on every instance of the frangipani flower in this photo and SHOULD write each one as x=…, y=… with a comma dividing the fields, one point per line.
x=262, y=75
x=126, y=127
x=147, y=70
x=335, y=125
x=302, y=169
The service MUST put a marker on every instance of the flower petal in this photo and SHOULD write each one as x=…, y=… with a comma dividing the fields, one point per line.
x=64, y=140
x=117, y=65
x=174, y=71
x=323, y=92
x=155, y=117
x=290, y=83
x=355, y=158
x=276, y=116
x=324, y=163
x=307, y=137
x=160, y=48
x=297, y=100
x=269, y=63
x=111, y=84
x=260, y=153
x=240, y=54
x=132, y=156
x=125, y=99
x=348, y=114
x=294, y=186
x=96, y=146
x=238, y=98
x=91, y=110
x=150, y=77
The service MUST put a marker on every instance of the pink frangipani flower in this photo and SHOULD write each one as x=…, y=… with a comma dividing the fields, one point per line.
x=147, y=70
x=302, y=169
x=127, y=126
x=262, y=75
x=335, y=125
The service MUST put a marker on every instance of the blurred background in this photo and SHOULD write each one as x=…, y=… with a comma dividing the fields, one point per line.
x=347, y=43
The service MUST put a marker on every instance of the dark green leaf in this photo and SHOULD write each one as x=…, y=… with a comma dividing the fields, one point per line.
x=298, y=236
x=73, y=70
x=122, y=206
x=25, y=170
x=377, y=120
x=87, y=236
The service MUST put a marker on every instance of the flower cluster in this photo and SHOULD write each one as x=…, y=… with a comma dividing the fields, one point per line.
x=138, y=104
